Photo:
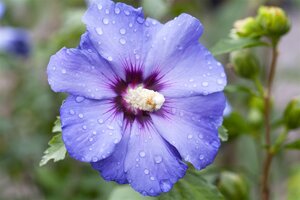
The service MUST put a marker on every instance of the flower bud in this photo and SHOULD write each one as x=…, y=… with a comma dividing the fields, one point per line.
x=247, y=27
x=233, y=186
x=245, y=63
x=292, y=114
x=273, y=21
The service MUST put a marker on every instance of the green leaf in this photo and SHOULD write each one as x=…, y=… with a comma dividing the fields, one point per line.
x=223, y=133
x=127, y=193
x=293, y=145
x=293, y=186
x=229, y=45
x=57, y=126
x=193, y=186
x=56, y=150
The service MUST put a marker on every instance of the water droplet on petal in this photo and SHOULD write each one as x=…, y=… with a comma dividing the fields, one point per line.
x=205, y=84
x=190, y=136
x=100, y=6
x=99, y=31
x=94, y=159
x=123, y=31
x=84, y=127
x=126, y=12
x=146, y=171
x=100, y=121
x=220, y=81
x=117, y=10
x=142, y=154
x=110, y=127
x=105, y=21
x=215, y=144
x=130, y=25
x=201, y=157
x=140, y=20
x=94, y=132
x=107, y=11
x=72, y=112
x=223, y=75
x=165, y=185
x=191, y=80
x=122, y=41
x=80, y=116
x=109, y=58
x=91, y=139
x=158, y=159
x=152, y=178
x=79, y=99
x=200, y=136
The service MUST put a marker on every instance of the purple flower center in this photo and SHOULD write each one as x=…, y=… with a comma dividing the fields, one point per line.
x=135, y=80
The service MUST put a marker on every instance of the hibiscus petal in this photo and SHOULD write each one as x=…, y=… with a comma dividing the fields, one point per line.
x=186, y=67
x=191, y=126
x=81, y=72
x=112, y=168
x=151, y=165
x=120, y=33
x=90, y=128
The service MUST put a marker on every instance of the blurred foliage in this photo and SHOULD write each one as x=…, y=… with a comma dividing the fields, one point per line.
x=28, y=107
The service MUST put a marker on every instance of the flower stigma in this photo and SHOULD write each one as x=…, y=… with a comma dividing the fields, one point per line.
x=140, y=98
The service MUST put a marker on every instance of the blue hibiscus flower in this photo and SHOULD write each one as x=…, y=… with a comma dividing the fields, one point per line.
x=144, y=97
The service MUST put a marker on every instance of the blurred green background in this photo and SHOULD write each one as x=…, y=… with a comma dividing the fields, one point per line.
x=28, y=107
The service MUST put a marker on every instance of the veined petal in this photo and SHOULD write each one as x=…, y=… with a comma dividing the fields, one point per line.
x=151, y=165
x=112, y=168
x=81, y=72
x=191, y=126
x=169, y=42
x=90, y=128
x=197, y=73
x=186, y=67
x=120, y=33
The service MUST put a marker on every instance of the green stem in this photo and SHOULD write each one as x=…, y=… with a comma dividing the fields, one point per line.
x=259, y=86
x=265, y=190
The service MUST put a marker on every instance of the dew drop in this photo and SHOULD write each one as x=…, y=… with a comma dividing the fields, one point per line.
x=105, y=21
x=142, y=154
x=200, y=136
x=84, y=127
x=110, y=127
x=220, y=81
x=215, y=144
x=123, y=31
x=99, y=31
x=116, y=141
x=205, y=84
x=130, y=25
x=165, y=185
x=191, y=80
x=100, y=6
x=158, y=159
x=100, y=121
x=94, y=132
x=146, y=171
x=63, y=71
x=140, y=20
x=72, y=112
x=223, y=75
x=109, y=58
x=127, y=12
x=79, y=99
x=117, y=10
x=80, y=116
x=201, y=157
x=107, y=11
x=91, y=139
x=190, y=136
x=152, y=178
x=94, y=159
x=122, y=41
